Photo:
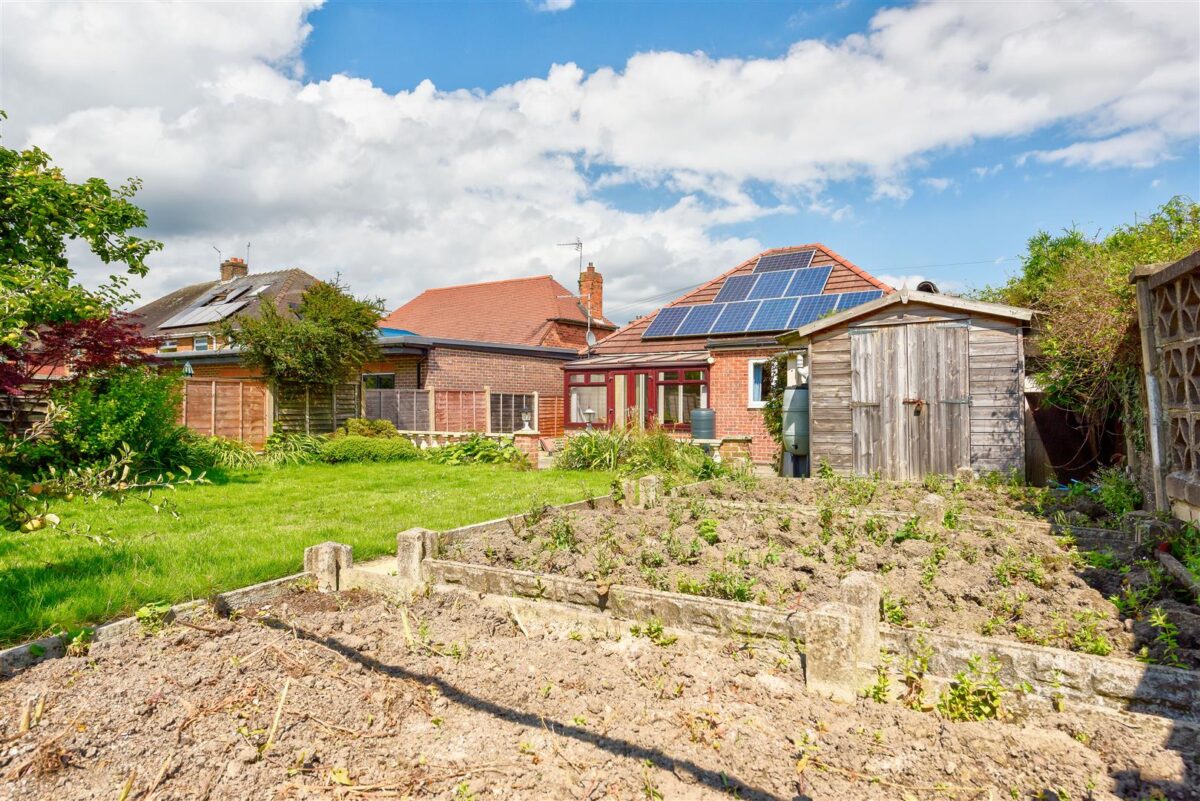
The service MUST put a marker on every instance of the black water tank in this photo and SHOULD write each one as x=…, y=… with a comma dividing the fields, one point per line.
x=704, y=424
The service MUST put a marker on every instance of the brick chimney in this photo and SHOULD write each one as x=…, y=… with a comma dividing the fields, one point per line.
x=591, y=291
x=233, y=267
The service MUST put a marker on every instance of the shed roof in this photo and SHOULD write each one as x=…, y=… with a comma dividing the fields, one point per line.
x=906, y=296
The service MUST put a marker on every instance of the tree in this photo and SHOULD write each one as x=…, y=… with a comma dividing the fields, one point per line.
x=330, y=337
x=70, y=350
x=1090, y=360
x=40, y=212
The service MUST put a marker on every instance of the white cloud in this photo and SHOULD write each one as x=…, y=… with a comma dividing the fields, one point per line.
x=208, y=103
x=987, y=172
x=910, y=281
x=937, y=184
x=553, y=5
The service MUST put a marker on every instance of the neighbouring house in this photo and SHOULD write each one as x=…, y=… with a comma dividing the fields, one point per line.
x=914, y=383
x=222, y=396
x=710, y=348
x=477, y=357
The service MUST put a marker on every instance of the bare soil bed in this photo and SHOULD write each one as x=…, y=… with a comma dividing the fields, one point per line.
x=1000, y=501
x=997, y=581
x=325, y=697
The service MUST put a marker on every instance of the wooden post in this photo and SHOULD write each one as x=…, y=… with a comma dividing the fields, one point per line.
x=186, y=386
x=212, y=423
x=242, y=410
x=306, y=424
x=432, y=407
x=1154, y=410
x=487, y=410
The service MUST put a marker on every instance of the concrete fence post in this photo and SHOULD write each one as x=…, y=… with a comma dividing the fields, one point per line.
x=841, y=645
x=410, y=553
x=326, y=561
x=650, y=487
x=860, y=591
x=629, y=491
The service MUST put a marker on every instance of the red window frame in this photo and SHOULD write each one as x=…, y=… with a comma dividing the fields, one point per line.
x=624, y=371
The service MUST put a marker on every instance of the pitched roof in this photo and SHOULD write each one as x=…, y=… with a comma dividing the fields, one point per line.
x=844, y=277
x=906, y=296
x=516, y=311
x=169, y=316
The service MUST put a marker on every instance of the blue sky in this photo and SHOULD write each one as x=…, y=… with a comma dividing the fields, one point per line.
x=410, y=145
x=970, y=233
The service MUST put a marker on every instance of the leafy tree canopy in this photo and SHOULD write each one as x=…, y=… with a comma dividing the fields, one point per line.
x=40, y=213
x=328, y=339
x=1089, y=358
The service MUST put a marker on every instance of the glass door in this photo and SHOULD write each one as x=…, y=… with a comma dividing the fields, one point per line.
x=632, y=399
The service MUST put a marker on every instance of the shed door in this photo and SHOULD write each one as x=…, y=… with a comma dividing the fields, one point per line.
x=909, y=400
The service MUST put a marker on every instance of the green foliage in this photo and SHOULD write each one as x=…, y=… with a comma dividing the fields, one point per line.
x=478, y=449
x=1167, y=638
x=366, y=427
x=41, y=212
x=134, y=407
x=719, y=585
x=975, y=694
x=1116, y=491
x=652, y=630
x=772, y=410
x=328, y=339
x=635, y=451
x=562, y=534
x=153, y=616
x=707, y=529
x=284, y=449
x=210, y=452
x=1088, y=338
x=893, y=609
x=368, y=449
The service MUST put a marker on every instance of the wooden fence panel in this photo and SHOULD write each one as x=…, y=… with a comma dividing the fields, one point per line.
x=317, y=409
x=550, y=416
x=230, y=408
x=459, y=410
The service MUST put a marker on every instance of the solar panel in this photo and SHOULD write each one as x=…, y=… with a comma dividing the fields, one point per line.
x=812, y=307
x=773, y=315
x=808, y=282
x=666, y=321
x=736, y=288
x=848, y=300
x=700, y=319
x=785, y=261
x=204, y=314
x=735, y=318
x=771, y=285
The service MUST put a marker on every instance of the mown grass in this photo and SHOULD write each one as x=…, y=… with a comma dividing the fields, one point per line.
x=244, y=528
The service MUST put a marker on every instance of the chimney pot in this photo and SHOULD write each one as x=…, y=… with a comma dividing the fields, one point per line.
x=233, y=267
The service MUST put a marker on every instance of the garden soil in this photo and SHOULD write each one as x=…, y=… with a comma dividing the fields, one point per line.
x=349, y=696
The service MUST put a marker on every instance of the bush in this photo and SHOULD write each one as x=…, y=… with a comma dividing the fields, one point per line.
x=207, y=452
x=1118, y=494
x=368, y=449
x=635, y=451
x=364, y=427
x=293, y=448
x=133, y=406
x=478, y=450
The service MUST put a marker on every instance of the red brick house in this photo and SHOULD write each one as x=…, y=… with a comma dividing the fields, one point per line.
x=707, y=348
x=484, y=353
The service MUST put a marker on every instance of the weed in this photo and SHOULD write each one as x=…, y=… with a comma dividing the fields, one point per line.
x=1133, y=600
x=738, y=557
x=682, y=554
x=607, y=561
x=953, y=515
x=875, y=531
x=894, y=609
x=1103, y=560
x=652, y=559
x=1116, y=491
x=911, y=530
x=929, y=569
x=579, y=720
x=652, y=630
x=880, y=690
x=914, y=669
x=462, y=792
x=654, y=579
x=704, y=728
x=969, y=554
x=1167, y=637
x=1030, y=634
x=975, y=694
x=1013, y=566
x=1087, y=637
x=933, y=482
x=825, y=471
x=707, y=529
x=576, y=636
x=718, y=585
x=537, y=512
x=562, y=534
x=79, y=642
x=698, y=508
x=772, y=555
x=153, y=616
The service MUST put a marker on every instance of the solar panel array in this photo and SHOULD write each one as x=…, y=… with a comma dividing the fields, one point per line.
x=752, y=316
x=785, y=261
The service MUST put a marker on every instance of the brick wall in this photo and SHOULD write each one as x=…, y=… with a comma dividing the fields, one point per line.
x=473, y=370
x=405, y=369
x=201, y=370
x=729, y=396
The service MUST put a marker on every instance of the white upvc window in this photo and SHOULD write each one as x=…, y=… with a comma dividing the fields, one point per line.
x=758, y=383
x=168, y=346
x=201, y=342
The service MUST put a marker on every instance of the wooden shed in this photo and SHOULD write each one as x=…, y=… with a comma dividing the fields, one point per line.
x=916, y=383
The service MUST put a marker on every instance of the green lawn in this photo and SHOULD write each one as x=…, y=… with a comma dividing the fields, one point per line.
x=245, y=528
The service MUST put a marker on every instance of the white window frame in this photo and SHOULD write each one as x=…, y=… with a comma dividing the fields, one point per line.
x=168, y=346
x=751, y=403
x=206, y=339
